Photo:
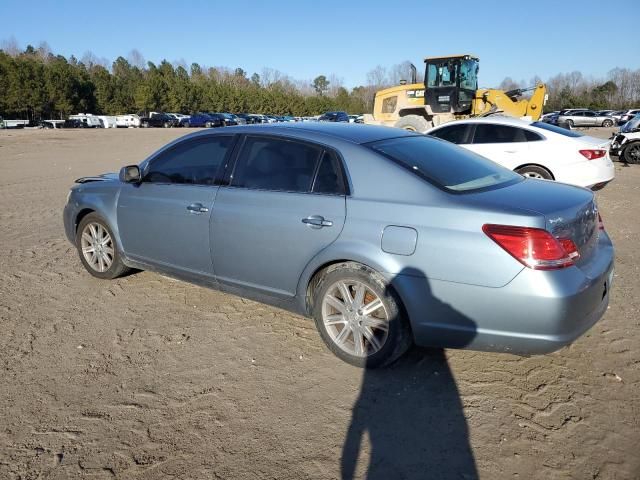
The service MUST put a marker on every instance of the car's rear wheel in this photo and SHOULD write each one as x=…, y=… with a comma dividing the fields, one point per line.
x=359, y=317
x=607, y=123
x=535, y=171
x=97, y=248
x=166, y=124
x=631, y=153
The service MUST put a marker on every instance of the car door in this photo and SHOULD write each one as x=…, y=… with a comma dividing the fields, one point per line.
x=589, y=119
x=164, y=220
x=504, y=144
x=284, y=204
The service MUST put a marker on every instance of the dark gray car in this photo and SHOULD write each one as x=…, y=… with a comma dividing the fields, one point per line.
x=383, y=236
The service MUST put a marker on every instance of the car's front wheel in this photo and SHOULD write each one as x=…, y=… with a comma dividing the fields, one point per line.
x=359, y=317
x=631, y=153
x=97, y=248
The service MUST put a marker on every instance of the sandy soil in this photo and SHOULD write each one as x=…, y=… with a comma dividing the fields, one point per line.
x=147, y=377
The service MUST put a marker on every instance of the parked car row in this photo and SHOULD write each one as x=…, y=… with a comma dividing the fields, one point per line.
x=583, y=117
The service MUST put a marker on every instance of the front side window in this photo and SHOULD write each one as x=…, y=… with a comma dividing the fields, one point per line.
x=443, y=164
x=276, y=164
x=454, y=133
x=193, y=162
x=490, y=133
x=389, y=104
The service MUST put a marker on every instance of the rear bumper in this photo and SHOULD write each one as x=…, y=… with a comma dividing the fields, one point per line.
x=588, y=173
x=537, y=312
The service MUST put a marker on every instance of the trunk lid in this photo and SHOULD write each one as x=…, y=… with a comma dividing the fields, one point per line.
x=569, y=212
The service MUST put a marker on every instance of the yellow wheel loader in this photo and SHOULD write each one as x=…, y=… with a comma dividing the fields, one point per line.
x=449, y=92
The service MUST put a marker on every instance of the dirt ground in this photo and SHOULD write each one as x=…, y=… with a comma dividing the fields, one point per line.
x=147, y=377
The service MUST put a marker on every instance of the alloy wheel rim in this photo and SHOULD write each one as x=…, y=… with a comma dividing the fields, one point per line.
x=634, y=152
x=97, y=247
x=355, y=318
x=532, y=175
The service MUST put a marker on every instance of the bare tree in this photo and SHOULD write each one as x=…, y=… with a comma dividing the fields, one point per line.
x=136, y=59
x=11, y=46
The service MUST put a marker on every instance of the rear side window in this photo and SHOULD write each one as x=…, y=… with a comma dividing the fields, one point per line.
x=493, y=133
x=276, y=164
x=443, y=164
x=454, y=134
x=329, y=178
x=193, y=162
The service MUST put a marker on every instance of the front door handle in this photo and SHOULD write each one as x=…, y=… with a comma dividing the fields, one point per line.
x=317, y=221
x=197, y=208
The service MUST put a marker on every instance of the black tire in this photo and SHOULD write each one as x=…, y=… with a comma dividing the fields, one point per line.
x=414, y=123
x=145, y=125
x=569, y=124
x=631, y=153
x=398, y=339
x=117, y=267
x=166, y=124
x=607, y=123
x=208, y=124
x=534, y=171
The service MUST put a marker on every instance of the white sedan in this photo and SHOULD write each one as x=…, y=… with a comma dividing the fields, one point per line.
x=534, y=149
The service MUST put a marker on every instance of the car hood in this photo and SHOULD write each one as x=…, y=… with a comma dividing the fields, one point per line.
x=98, y=178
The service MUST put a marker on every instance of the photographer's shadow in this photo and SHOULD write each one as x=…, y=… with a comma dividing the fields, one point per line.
x=412, y=415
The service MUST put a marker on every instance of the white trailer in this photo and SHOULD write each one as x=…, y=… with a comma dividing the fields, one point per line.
x=109, y=121
x=13, y=123
x=88, y=119
x=128, y=121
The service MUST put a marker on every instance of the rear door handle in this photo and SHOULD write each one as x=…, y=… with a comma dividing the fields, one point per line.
x=197, y=208
x=317, y=221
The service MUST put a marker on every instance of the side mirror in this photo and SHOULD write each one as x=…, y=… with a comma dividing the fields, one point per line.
x=130, y=174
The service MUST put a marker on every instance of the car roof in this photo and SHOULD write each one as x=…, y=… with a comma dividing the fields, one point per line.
x=350, y=132
x=495, y=119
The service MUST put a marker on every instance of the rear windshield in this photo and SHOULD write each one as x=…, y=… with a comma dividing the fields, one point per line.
x=556, y=129
x=444, y=164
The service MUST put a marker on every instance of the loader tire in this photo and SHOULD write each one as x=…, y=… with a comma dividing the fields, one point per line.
x=414, y=123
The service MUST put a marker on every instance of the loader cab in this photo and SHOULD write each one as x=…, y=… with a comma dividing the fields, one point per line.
x=451, y=83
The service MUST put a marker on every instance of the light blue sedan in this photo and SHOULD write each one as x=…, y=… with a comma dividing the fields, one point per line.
x=384, y=237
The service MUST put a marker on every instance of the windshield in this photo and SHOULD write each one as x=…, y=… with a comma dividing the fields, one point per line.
x=444, y=164
x=556, y=129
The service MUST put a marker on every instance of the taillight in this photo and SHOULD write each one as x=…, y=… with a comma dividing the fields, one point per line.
x=593, y=154
x=534, y=247
x=600, y=222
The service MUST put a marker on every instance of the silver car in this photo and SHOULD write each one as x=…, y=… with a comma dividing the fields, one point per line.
x=384, y=237
x=585, y=118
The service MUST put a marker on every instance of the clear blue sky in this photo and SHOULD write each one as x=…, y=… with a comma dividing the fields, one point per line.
x=307, y=38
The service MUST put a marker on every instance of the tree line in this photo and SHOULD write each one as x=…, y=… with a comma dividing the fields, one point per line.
x=37, y=84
